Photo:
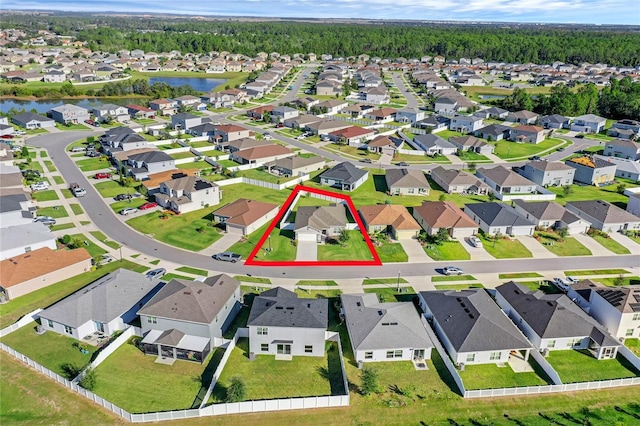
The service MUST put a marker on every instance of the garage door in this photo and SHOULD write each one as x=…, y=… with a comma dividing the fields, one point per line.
x=309, y=236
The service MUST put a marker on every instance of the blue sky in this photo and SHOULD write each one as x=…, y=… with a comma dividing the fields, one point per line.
x=573, y=11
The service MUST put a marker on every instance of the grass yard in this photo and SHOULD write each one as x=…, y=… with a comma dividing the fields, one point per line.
x=374, y=281
x=55, y=212
x=125, y=376
x=579, y=366
x=448, y=250
x=92, y=248
x=510, y=150
x=472, y=156
x=597, y=272
x=264, y=176
x=611, y=244
x=519, y=275
x=134, y=202
x=111, y=188
x=392, y=252
x=168, y=277
x=504, y=248
x=352, y=151
x=58, y=180
x=319, y=283
x=91, y=164
x=181, y=155
x=67, y=193
x=490, y=376
x=280, y=242
x=49, y=165
x=195, y=165
x=76, y=209
x=251, y=279
x=393, y=294
x=104, y=240
x=193, y=271
x=52, y=350
x=355, y=248
x=458, y=287
x=267, y=378
x=634, y=345
x=567, y=246
x=314, y=294
x=586, y=193
x=619, y=281
x=62, y=226
x=48, y=195
x=445, y=278
x=545, y=286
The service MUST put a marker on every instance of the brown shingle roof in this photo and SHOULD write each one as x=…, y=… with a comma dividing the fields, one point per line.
x=389, y=214
x=33, y=264
x=244, y=212
x=444, y=214
x=263, y=152
x=156, y=179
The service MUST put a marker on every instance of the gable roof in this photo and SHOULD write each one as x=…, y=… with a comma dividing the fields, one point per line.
x=278, y=307
x=456, y=177
x=188, y=183
x=528, y=128
x=385, y=141
x=352, y=132
x=407, y=178
x=345, y=172
x=297, y=161
x=153, y=156
x=26, y=117
x=524, y=114
x=103, y=300
x=244, y=212
x=504, y=177
x=603, y=211
x=431, y=140
x=373, y=325
x=472, y=321
x=395, y=215
x=263, y=151
x=548, y=166
x=444, y=214
x=25, y=235
x=624, y=299
x=226, y=128
x=320, y=217
x=554, y=118
x=192, y=301
x=497, y=214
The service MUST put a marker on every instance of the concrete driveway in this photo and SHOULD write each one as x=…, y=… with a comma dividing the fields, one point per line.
x=535, y=247
x=633, y=247
x=476, y=253
x=307, y=251
x=415, y=251
x=595, y=247
x=221, y=245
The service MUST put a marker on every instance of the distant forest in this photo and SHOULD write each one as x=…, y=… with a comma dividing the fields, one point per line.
x=386, y=40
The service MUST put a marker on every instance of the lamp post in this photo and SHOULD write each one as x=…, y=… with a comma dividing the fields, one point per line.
x=398, y=286
x=269, y=238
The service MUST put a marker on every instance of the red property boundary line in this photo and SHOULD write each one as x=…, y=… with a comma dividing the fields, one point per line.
x=251, y=260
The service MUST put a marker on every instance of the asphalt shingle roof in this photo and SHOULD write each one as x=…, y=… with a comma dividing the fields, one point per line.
x=497, y=214
x=278, y=307
x=345, y=172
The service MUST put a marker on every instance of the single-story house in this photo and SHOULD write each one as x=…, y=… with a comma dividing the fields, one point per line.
x=385, y=145
x=332, y=106
x=384, y=331
x=244, y=216
x=498, y=218
x=261, y=154
x=392, y=218
x=325, y=126
x=493, y=132
x=433, y=144
x=406, y=182
x=592, y=170
x=30, y=121
x=20, y=239
x=505, y=181
x=471, y=143
x=525, y=133
x=546, y=214
x=604, y=216
x=282, y=324
x=434, y=215
x=555, y=121
x=344, y=176
x=381, y=115
x=316, y=223
x=353, y=135
x=458, y=182
x=296, y=165
x=523, y=117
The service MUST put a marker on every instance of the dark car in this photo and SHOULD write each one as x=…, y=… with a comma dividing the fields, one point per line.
x=580, y=136
x=122, y=197
x=403, y=164
x=365, y=160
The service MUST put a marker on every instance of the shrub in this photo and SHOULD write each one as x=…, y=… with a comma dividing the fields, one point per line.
x=66, y=239
x=236, y=391
x=368, y=381
x=88, y=381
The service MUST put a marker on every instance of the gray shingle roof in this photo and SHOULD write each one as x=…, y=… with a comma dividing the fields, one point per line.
x=430, y=140
x=497, y=214
x=473, y=322
x=408, y=178
x=543, y=210
x=344, y=172
x=282, y=308
x=603, y=211
x=192, y=301
x=504, y=177
x=373, y=325
x=24, y=235
x=320, y=217
x=11, y=202
x=154, y=156
x=103, y=300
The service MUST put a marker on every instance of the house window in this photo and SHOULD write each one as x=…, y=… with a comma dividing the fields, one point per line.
x=389, y=354
x=394, y=354
x=411, y=190
x=494, y=356
x=50, y=323
x=263, y=331
x=629, y=332
x=152, y=320
x=471, y=357
x=551, y=344
x=264, y=347
x=368, y=355
x=573, y=342
x=636, y=317
x=308, y=349
x=68, y=329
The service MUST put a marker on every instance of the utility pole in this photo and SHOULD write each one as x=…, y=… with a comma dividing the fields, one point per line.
x=398, y=287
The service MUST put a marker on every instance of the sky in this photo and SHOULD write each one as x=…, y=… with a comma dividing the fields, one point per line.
x=625, y=12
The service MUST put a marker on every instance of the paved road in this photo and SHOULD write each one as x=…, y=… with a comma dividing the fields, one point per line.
x=412, y=102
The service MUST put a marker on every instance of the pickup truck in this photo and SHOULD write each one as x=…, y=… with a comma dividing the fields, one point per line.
x=77, y=190
x=227, y=256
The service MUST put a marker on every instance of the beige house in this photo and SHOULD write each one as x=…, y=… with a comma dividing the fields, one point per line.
x=407, y=182
x=187, y=194
x=244, y=216
x=433, y=215
x=392, y=218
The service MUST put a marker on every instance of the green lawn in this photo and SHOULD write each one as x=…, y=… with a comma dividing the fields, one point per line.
x=267, y=378
x=579, y=366
x=62, y=226
x=504, y=248
x=49, y=165
x=193, y=271
x=448, y=250
x=319, y=283
x=374, y=281
x=181, y=155
x=280, y=242
x=355, y=248
x=52, y=350
x=58, y=180
x=471, y=156
x=67, y=193
x=611, y=244
x=490, y=376
x=392, y=293
x=458, y=287
x=264, y=176
x=634, y=345
x=612, y=282
x=314, y=294
x=111, y=188
x=125, y=376
x=134, y=203
x=91, y=164
x=48, y=195
x=445, y=278
x=248, y=279
x=545, y=286
x=103, y=238
x=597, y=272
x=170, y=276
x=585, y=193
x=519, y=275
x=55, y=212
x=352, y=151
x=507, y=150
x=14, y=309
x=76, y=209
x=195, y=165
x=567, y=246
x=92, y=248
x=392, y=252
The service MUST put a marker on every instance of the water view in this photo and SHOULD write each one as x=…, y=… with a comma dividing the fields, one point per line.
x=200, y=84
x=45, y=105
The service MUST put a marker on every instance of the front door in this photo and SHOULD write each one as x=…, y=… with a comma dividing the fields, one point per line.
x=99, y=326
x=283, y=349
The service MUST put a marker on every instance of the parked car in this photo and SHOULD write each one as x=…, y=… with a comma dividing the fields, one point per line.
x=147, y=206
x=47, y=220
x=403, y=164
x=580, y=136
x=40, y=186
x=452, y=270
x=20, y=133
x=227, y=256
x=366, y=160
x=156, y=273
x=475, y=241
x=102, y=175
x=28, y=173
x=6, y=136
x=92, y=154
x=78, y=148
x=122, y=197
x=560, y=149
x=535, y=158
x=572, y=280
x=279, y=125
x=77, y=190
x=90, y=122
x=128, y=210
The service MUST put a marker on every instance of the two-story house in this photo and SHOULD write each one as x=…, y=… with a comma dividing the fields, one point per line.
x=111, y=112
x=622, y=148
x=186, y=194
x=68, y=113
x=592, y=170
x=548, y=173
x=146, y=163
x=588, y=123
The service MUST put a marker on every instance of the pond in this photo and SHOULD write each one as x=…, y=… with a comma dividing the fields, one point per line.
x=200, y=84
x=42, y=106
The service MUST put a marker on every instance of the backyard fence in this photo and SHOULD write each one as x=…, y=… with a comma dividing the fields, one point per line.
x=28, y=318
x=108, y=350
x=263, y=184
x=544, y=364
x=444, y=356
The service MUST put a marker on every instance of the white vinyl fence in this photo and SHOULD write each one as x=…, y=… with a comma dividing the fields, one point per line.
x=28, y=318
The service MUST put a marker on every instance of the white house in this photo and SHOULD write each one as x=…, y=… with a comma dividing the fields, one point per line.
x=617, y=309
x=187, y=194
x=588, y=123
x=20, y=239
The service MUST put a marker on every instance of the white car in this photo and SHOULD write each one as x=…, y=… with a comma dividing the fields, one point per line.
x=128, y=210
x=475, y=241
x=40, y=186
x=572, y=280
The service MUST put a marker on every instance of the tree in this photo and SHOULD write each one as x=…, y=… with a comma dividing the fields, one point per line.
x=566, y=190
x=368, y=381
x=620, y=188
x=618, y=281
x=343, y=237
x=491, y=195
x=89, y=379
x=442, y=197
x=442, y=236
x=236, y=391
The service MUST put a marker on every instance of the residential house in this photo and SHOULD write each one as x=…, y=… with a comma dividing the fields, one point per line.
x=393, y=219
x=627, y=124
x=406, y=182
x=108, y=112
x=433, y=144
x=163, y=106
x=296, y=165
x=435, y=215
x=153, y=181
x=499, y=219
x=471, y=143
x=505, y=181
x=54, y=77
x=307, y=102
x=177, y=323
x=314, y=223
x=555, y=121
x=358, y=110
x=11, y=180
x=204, y=129
x=146, y=163
x=37, y=269
x=409, y=115
x=332, y=106
x=328, y=88
x=604, y=216
x=185, y=121
x=16, y=205
x=546, y=214
x=627, y=169
x=384, y=331
x=302, y=121
x=69, y=114
x=472, y=328
x=495, y=112
x=243, y=216
x=352, y=136
x=385, y=145
x=381, y=115
x=187, y=194
x=633, y=205
x=622, y=148
x=138, y=111
x=621, y=133
x=547, y=173
x=435, y=122
x=19, y=239
x=188, y=102
x=231, y=132
x=105, y=306
x=553, y=322
x=588, y=123
x=120, y=139
x=282, y=324
x=592, y=170
x=617, y=309
x=526, y=134
x=375, y=95
x=242, y=144
x=445, y=106
x=458, y=182
x=344, y=176
x=523, y=117
x=281, y=113
x=466, y=123
x=30, y=121
x=258, y=113
x=325, y=126
x=261, y=154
